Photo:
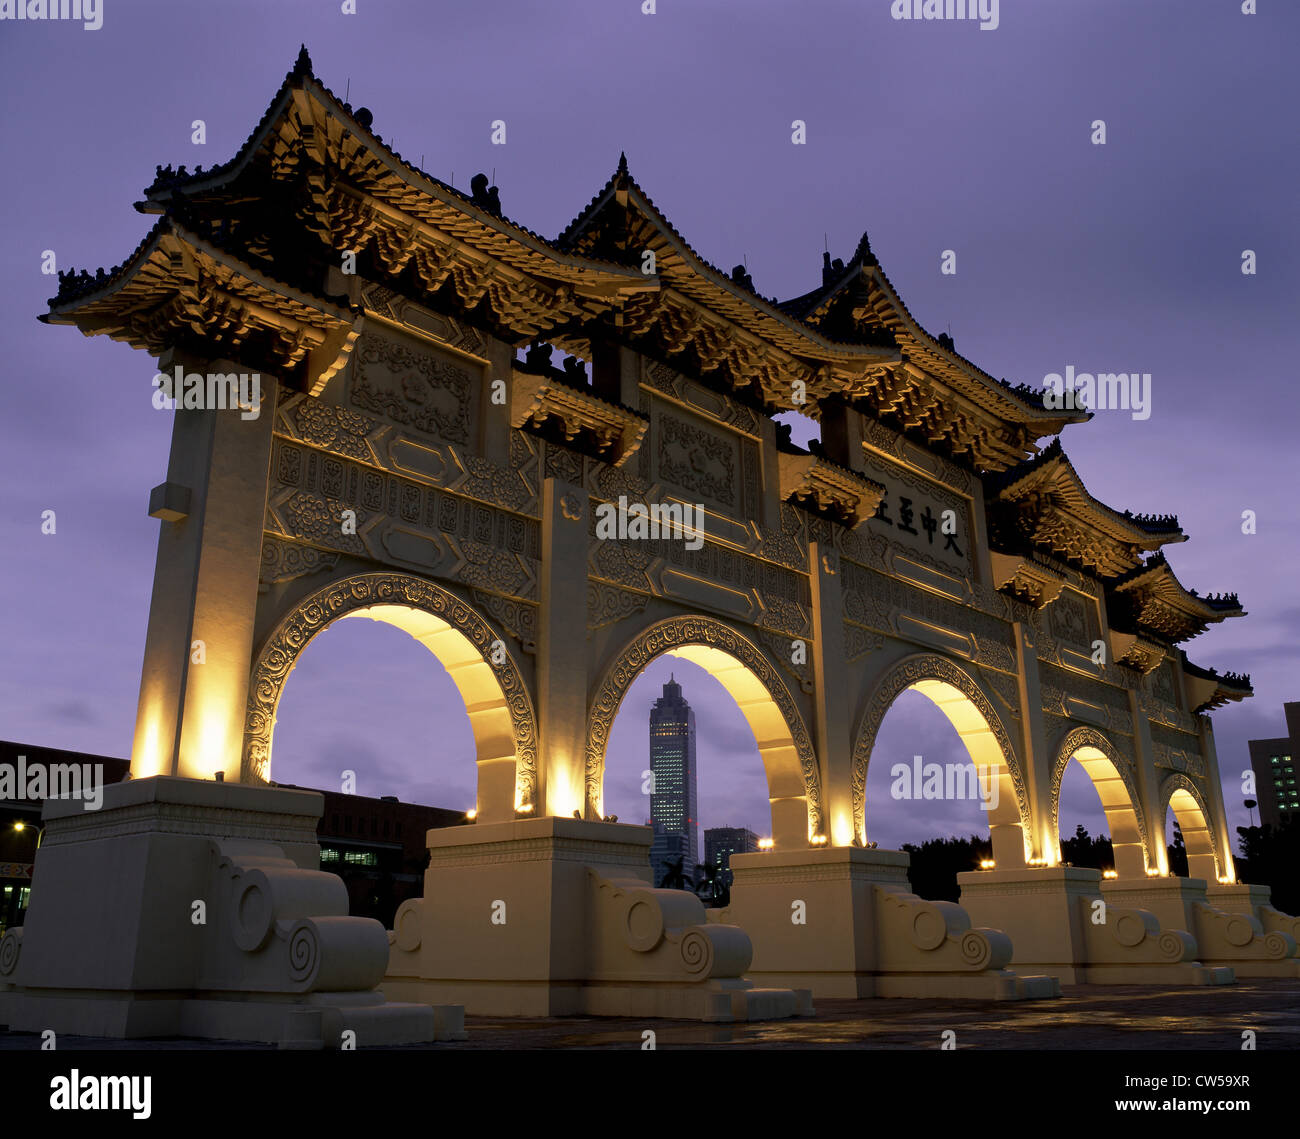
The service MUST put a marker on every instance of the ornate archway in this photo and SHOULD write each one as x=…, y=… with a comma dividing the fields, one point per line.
x=958, y=696
x=477, y=658
x=745, y=672
x=1112, y=776
x=1204, y=859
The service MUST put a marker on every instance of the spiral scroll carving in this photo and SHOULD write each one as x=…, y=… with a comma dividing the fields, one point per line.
x=283, y=647
x=304, y=953
x=10, y=947
x=697, y=953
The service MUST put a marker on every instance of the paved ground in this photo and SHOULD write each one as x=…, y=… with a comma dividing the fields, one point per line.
x=1085, y=1017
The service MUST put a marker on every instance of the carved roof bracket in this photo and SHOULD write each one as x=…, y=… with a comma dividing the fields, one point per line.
x=1026, y=579
x=828, y=489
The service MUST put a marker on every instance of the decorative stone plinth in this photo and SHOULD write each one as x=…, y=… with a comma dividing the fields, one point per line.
x=193, y=908
x=1254, y=901
x=844, y=923
x=1061, y=925
x=1223, y=937
x=558, y=917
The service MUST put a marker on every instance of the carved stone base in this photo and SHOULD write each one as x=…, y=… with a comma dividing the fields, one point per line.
x=1061, y=925
x=557, y=917
x=1237, y=940
x=844, y=923
x=193, y=908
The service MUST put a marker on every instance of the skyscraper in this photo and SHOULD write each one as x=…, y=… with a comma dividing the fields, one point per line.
x=720, y=843
x=674, y=799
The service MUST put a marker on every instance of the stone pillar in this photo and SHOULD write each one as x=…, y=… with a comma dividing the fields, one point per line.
x=494, y=437
x=1008, y=841
x=190, y=719
x=1214, y=803
x=1157, y=858
x=832, y=709
x=616, y=373
x=561, y=651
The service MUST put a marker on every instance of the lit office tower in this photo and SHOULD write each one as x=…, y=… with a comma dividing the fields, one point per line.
x=720, y=843
x=673, y=803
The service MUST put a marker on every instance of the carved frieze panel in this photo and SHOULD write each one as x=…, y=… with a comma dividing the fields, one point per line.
x=1006, y=688
x=1069, y=620
x=903, y=451
x=283, y=561
x=1060, y=687
x=607, y=604
x=878, y=601
x=348, y=434
x=415, y=386
x=394, y=306
x=399, y=521
x=715, y=405
x=921, y=515
x=518, y=618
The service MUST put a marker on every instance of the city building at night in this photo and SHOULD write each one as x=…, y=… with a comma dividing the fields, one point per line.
x=1274, y=764
x=674, y=800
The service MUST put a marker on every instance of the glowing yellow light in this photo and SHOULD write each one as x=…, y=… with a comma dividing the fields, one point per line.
x=472, y=813
x=819, y=840
x=1152, y=873
x=987, y=864
x=1109, y=874
x=765, y=844
x=525, y=809
x=20, y=826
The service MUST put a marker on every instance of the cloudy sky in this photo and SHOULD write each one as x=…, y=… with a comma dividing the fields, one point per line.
x=933, y=136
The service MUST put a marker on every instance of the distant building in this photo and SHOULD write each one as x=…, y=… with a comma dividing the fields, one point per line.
x=375, y=845
x=720, y=843
x=1274, y=764
x=674, y=810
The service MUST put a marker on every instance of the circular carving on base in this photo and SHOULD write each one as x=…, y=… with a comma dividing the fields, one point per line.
x=697, y=953
x=1130, y=930
x=1171, y=945
x=644, y=923
x=10, y=946
x=976, y=949
x=1239, y=932
x=304, y=953
x=1277, y=947
x=928, y=928
x=407, y=925
x=252, y=914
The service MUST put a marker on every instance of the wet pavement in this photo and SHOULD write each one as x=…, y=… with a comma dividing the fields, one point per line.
x=1111, y=1017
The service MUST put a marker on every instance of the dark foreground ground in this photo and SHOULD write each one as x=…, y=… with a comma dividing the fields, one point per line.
x=1085, y=1017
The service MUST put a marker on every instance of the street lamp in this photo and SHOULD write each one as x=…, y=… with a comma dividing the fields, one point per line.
x=1250, y=805
x=40, y=832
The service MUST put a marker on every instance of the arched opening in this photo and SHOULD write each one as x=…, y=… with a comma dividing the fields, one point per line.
x=722, y=799
x=475, y=657
x=745, y=674
x=992, y=774
x=923, y=796
x=371, y=718
x=1182, y=804
x=1100, y=765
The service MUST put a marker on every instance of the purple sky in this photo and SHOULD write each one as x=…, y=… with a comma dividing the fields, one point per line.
x=932, y=136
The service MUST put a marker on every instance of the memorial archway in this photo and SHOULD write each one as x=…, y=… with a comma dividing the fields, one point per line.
x=959, y=697
x=1113, y=781
x=784, y=745
x=496, y=698
x=1204, y=859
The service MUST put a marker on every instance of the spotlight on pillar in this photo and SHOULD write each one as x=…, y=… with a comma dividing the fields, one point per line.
x=818, y=840
x=987, y=864
x=471, y=814
x=1109, y=874
x=765, y=844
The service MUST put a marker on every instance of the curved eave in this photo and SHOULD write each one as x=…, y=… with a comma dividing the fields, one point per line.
x=124, y=291
x=501, y=238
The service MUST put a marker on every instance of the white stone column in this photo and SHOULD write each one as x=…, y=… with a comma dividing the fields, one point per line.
x=562, y=650
x=832, y=709
x=198, y=650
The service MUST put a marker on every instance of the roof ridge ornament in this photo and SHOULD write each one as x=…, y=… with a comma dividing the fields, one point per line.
x=302, y=65
x=863, y=255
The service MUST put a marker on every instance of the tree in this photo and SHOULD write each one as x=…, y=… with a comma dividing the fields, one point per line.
x=937, y=862
x=1178, y=853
